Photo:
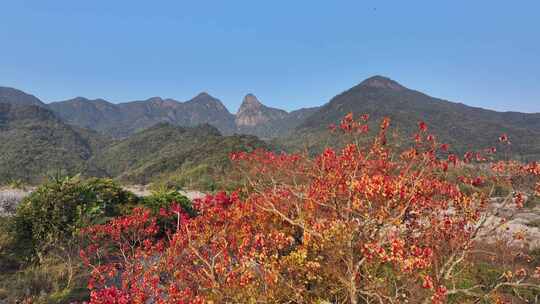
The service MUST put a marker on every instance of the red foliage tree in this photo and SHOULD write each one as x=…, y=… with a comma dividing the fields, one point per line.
x=363, y=224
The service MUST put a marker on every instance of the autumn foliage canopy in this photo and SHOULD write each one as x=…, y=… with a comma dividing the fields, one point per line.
x=366, y=223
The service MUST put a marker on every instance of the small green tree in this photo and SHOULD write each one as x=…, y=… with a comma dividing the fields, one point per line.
x=164, y=197
x=53, y=213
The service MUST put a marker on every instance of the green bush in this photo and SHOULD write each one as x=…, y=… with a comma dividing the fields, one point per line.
x=39, y=257
x=163, y=197
x=8, y=257
x=55, y=211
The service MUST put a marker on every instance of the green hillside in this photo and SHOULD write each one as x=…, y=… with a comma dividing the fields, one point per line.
x=192, y=156
x=464, y=127
x=35, y=143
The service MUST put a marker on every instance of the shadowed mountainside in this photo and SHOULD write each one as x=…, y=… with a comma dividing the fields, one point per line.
x=34, y=143
x=181, y=155
x=124, y=119
x=462, y=126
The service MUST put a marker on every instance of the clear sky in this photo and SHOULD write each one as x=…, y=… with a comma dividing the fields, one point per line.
x=291, y=53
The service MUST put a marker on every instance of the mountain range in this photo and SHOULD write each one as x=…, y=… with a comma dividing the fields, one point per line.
x=139, y=141
x=123, y=119
x=464, y=127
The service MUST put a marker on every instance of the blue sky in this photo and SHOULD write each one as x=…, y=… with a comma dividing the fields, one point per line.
x=291, y=54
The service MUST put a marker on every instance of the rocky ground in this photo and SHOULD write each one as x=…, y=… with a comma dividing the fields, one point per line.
x=524, y=221
x=141, y=190
x=9, y=198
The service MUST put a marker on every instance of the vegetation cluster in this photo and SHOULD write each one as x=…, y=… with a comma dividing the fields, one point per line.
x=364, y=223
x=40, y=243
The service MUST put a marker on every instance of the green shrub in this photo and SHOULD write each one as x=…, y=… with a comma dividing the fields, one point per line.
x=8, y=257
x=163, y=197
x=55, y=211
x=39, y=258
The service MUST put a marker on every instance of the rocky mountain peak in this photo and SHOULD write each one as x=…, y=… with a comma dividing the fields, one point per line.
x=203, y=95
x=207, y=101
x=156, y=99
x=163, y=103
x=382, y=82
x=80, y=99
x=250, y=102
x=252, y=112
x=18, y=97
